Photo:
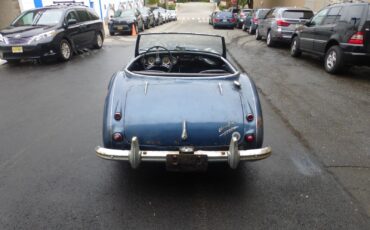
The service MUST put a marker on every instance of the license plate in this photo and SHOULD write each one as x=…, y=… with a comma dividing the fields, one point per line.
x=224, y=20
x=186, y=162
x=17, y=49
x=119, y=27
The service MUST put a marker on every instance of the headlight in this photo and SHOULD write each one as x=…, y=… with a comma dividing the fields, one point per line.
x=42, y=36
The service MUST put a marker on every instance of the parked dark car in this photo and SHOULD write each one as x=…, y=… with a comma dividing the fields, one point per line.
x=251, y=23
x=124, y=21
x=224, y=19
x=219, y=121
x=280, y=24
x=340, y=33
x=148, y=17
x=159, y=20
x=242, y=16
x=212, y=16
x=53, y=31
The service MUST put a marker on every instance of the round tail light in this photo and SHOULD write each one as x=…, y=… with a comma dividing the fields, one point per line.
x=250, y=117
x=249, y=138
x=117, y=137
x=117, y=116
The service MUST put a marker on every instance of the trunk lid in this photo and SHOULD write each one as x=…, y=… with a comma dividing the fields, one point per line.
x=158, y=114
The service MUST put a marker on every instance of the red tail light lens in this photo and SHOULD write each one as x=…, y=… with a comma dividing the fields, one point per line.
x=282, y=23
x=232, y=20
x=117, y=116
x=250, y=117
x=117, y=137
x=216, y=20
x=357, y=39
x=249, y=138
x=255, y=20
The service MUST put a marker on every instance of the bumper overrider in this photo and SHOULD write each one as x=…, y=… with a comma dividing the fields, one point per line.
x=135, y=156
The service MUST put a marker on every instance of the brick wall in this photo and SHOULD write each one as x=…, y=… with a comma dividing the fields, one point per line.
x=9, y=9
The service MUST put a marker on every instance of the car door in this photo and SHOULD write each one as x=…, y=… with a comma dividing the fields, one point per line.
x=326, y=29
x=87, y=32
x=307, y=34
x=264, y=24
x=73, y=30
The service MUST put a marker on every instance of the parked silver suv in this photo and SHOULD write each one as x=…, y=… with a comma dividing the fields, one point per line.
x=280, y=23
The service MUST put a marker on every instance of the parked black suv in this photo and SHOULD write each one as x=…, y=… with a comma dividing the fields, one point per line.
x=340, y=33
x=53, y=31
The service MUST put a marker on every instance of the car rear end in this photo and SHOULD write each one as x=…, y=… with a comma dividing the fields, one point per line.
x=243, y=16
x=287, y=22
x=356, y=44
x=257, y=15
x=224, y=19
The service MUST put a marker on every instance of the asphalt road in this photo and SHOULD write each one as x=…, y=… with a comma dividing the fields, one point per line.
x=317, y=125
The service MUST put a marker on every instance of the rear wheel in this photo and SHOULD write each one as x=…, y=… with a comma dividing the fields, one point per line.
x=65, y=50
x=98, y=44
x=250, y=30
x=258, y=36
x=294, y=48
x=269, y=41
x=334, y=60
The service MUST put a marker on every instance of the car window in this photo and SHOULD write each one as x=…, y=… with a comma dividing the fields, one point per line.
x=333, y=15
x=93, y=15
x=354, y=14
x=262, y=13
x=270, y=14
x=25, y=19
x=83, y=15
x=71, y=15
x=319, y=17
x=297, y=14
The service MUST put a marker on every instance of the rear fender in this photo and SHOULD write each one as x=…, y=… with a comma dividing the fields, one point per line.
x=251, y=100
x=113, y=103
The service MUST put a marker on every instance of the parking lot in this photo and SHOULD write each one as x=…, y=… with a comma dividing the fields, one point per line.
x=316, y=123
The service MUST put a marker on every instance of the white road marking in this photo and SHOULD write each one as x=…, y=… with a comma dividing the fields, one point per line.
x=2, y=61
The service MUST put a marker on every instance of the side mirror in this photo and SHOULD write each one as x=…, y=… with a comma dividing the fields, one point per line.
x=308, y=23
x=71, y=21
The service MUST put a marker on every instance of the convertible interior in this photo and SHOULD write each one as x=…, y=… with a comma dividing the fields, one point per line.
x=160, y=61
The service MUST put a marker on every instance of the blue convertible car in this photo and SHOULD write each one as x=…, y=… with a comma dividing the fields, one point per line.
x=181, y=102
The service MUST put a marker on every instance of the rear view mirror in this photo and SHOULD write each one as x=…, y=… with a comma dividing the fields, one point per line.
x=71, y=21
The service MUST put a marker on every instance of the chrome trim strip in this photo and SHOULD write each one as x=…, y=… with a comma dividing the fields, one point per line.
x=184, y=134
x=220, y=87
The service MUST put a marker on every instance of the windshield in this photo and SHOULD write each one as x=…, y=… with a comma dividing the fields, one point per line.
x=182, y=42
x=126, y=13
x=39, y=17
x=224, y=14
x=297, y=14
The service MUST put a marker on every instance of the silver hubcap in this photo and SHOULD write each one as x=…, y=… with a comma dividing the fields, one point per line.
x=294, y=46
x=268, y=38
x=331, y=60
x=256, y=33
x=243, y=27
x=99, y=40
x=66, y=51
x=250, y=29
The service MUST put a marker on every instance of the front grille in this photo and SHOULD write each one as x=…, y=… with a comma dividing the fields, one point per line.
x=16, y=41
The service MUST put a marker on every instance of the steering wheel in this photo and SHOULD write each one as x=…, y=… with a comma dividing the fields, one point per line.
x=158, y=62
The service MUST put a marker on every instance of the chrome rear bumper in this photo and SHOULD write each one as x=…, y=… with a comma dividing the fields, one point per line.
x=233, y=156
